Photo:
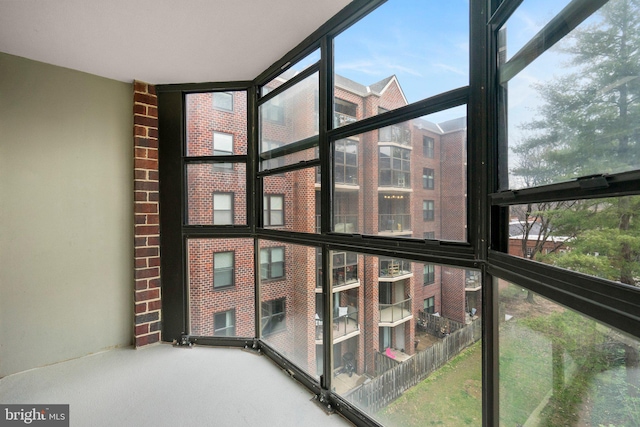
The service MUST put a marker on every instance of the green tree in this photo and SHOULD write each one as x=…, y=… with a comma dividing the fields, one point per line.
x=589, y=123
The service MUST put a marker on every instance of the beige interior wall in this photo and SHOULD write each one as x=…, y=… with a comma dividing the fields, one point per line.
x=66, y=214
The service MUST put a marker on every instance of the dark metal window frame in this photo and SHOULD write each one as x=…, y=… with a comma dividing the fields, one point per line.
x=428, y=210
x=614, y=304
x=279, y=317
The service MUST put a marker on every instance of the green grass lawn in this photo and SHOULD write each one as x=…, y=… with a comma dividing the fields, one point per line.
x=451, y=396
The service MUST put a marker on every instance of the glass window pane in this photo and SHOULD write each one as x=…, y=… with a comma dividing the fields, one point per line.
x=573, y=111
x=382, y=195
x=388, y=342
x=400, y=53
x=215, y=311
x=222, y=143
x=290, y=116
x=289, y=321
x=216, y=195
x=224, y=260
x=561, y=368
x=295, y=69
x=300, y=190
x=205, y=117
x=530, y=17
x=600, y=237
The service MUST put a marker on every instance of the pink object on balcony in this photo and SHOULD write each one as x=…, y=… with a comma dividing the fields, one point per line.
x=389, y=353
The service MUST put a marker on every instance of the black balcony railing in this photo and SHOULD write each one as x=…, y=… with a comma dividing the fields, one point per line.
x=394, y=222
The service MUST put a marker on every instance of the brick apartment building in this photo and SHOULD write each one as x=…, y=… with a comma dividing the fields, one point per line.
x=405, y=180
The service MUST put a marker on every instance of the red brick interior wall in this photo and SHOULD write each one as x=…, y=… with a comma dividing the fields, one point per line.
x=146, y=212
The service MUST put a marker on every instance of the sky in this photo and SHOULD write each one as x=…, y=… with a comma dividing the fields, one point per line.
x=425, y=43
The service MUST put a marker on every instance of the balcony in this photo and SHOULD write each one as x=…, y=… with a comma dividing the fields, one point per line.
x=394, y=314
x=394, y=223
x=345, y=325
x=396, y=134
x=393, y=269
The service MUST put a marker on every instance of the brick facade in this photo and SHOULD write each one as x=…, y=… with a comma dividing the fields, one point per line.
x=147, y=293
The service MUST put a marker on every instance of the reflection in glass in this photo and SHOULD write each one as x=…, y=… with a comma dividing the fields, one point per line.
x=216, y=194
x=383, y=178
x=560, y=368
x=600, y=237
x=216, y=123
x=221, y=287
x=574, y=111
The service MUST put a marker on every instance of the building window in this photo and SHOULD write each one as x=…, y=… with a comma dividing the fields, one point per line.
x=223, y=101
x=394, y=165
x=273, y=316
x=272, y=263
x=345, y=268
x=429, y=305
x=429, y=235
x=273, y=210
x=428, y=178
x=346, y=162
x=224, y=323
x=427, y=146
x=222, y=208
x=429, y=276
x=223, y=264
x=222, y=144
x=345, y=112
x=427, y=210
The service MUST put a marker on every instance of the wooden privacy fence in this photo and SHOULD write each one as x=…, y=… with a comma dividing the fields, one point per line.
x=388, y=386
x=436, y=325
x=384, y=363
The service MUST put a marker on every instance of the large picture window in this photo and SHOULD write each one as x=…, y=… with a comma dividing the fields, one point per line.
x=394, y=165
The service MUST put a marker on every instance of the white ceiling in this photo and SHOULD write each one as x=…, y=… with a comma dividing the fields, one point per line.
x=161, y=41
